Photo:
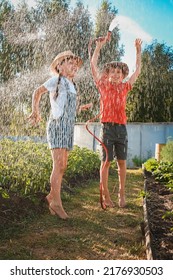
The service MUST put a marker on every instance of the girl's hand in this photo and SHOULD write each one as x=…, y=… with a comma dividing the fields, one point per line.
x=85, y=107
x=34, y=118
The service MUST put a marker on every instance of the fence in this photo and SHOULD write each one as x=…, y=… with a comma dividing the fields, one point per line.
x=142, y=138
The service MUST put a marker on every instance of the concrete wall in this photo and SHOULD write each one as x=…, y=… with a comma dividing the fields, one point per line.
x=142, y=138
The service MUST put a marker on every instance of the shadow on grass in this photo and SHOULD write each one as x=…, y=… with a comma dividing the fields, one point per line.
x=90, y=233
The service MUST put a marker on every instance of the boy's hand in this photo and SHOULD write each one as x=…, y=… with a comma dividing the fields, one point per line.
x=138, y=43
x=103, y=40
x=108, y=36
x=100, y=41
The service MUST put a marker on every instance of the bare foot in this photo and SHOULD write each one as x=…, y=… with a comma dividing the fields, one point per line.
x=58, y=210
x=48, y=200
x=122, y=202
x=52, y=212
x=109, y=203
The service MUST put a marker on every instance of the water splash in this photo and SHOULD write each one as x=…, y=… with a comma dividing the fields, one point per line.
x=114, y=23
x=36, y=45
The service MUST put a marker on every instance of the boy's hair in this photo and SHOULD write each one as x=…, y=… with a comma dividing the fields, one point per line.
x=117, y=64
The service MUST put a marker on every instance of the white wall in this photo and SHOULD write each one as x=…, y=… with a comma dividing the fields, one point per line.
x=142, y=138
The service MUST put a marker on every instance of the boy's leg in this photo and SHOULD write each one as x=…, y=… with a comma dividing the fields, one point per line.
x=106, y=157
x=104, y=174
x=121, y=145
x=122, y=180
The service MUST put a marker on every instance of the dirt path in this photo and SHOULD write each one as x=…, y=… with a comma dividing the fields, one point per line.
x=90, y=233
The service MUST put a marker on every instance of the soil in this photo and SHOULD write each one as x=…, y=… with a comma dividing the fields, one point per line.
x=159, y=204
x=17, y=210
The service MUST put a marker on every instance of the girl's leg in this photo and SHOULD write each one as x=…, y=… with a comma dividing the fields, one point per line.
x=122, y=179
x=59, y=157
x=104, y=173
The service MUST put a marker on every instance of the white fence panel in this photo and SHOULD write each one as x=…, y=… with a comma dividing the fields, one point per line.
x=142, y=138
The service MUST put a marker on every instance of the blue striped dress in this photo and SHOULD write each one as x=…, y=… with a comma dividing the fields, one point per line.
x=60, y=127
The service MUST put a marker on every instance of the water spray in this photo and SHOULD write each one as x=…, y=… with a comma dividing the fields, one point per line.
x=113, y=24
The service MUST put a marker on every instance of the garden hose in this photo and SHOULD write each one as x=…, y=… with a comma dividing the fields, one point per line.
x=103, y=205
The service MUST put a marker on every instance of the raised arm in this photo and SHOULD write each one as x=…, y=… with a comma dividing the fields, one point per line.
x=94, y=59
x=133, y=78
x=35, y=117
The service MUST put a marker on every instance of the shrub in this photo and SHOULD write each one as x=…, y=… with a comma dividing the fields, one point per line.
x=162, y=171
x=82, y=164
x=25, y=166
x=167, y=152
x=151, y=164
x=137, y=161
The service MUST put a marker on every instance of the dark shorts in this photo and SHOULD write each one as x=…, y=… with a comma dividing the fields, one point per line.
x=114, y=137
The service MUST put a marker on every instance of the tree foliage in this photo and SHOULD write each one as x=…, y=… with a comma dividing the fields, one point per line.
x=5, y=48
x=30, y=38
x=151, y=99
x=105, y=14
x=33, y=38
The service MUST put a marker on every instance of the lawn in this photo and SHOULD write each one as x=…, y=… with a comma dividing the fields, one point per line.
x=90, y=234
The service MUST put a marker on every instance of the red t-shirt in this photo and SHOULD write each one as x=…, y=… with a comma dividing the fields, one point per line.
x=113, y=101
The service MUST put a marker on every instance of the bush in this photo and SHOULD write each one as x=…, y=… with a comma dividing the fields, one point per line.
x=162, y=171
x=167, y=152
x=137, y=161
x=151, y=164
x=82, y=164
x=25, y=166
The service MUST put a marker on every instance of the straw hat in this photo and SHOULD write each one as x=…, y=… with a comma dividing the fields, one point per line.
x=60, y=57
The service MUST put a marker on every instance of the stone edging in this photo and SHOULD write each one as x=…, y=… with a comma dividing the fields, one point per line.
x=149, y=252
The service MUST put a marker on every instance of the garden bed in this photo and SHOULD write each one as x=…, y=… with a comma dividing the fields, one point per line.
x=158, y=206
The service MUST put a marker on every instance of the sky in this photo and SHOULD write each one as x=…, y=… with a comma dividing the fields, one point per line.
x=145, y=19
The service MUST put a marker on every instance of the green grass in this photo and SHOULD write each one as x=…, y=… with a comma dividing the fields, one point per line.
x=90, y=233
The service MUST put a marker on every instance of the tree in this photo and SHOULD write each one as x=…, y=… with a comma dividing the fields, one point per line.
x=22, y=56
x=32, y=56
x=50, y=8
x=18, y=50
x=34, y=37
x=151, y=99
x=5, y=49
